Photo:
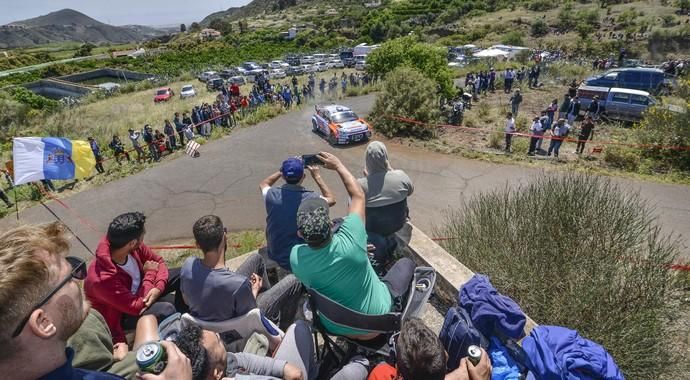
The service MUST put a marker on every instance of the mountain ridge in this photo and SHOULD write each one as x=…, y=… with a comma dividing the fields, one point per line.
x=69, y=25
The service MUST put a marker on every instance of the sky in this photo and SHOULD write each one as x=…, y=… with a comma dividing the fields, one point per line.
x=120, y=12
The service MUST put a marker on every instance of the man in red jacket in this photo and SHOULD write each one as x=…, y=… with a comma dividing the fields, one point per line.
x=126, y=280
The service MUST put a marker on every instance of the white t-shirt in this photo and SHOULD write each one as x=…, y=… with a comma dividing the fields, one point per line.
x=510, y=125
x=130, y=266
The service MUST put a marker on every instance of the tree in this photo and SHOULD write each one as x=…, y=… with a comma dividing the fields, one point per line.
x=513, y=38
x=539, y=28
x=428, y=59
x=242, y=26
x=410, y=94
x=84, y=50
x=195, y=27
x=183, y=28
x=221, y=25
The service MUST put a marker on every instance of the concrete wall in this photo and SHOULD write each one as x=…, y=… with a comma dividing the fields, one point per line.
x=112, y=73
x=57, y=89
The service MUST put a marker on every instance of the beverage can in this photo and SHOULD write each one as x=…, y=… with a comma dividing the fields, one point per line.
x=474, y=354
x=151, y=357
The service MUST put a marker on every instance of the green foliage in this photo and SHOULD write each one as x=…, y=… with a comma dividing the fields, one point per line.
x=223, y=26
x=667, y=128
x=622, y=158
x=406, y=93
x=513, y=38
x=84, y=50
x=594, y=260
x=584, y=30
x=428, y=59
x=183, y=28
x=24, y=96
x=541, y=5
x=539, y=28
x=194, y=27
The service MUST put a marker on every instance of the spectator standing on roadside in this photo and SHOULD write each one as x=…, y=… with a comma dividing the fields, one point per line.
x=179, y=127
x=148, y=139
x=515, y=101
x=134, y=138
x=492, y=80
x=563, y=111
x=559, y=133
x=169, y=132
x=537, y=132
x=96, y=154
x=574, y=110
x=551, y=113
x=586, y=133
x=509, y=130
x=594, y=108
x=5, y=198
x=118, y=149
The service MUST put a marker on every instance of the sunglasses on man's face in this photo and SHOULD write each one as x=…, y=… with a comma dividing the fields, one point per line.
x=78, y=272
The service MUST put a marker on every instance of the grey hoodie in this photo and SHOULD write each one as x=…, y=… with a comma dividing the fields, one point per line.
x=383, y=186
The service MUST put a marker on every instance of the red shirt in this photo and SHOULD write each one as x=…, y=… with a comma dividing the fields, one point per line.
x=107, y=286
x=383, y=371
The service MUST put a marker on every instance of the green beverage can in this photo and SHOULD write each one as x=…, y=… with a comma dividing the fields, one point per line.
x=151, y=357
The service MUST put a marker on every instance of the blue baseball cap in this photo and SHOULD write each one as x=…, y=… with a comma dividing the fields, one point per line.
x=292, y=168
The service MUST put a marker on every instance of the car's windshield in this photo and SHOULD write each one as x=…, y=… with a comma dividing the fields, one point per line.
x=343, y=117
x=186, y=88
x=161, y=92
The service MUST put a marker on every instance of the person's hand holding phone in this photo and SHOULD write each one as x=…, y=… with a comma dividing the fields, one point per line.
x=329, y=160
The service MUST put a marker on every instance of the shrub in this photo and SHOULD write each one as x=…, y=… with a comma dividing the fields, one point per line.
x=513, y=38
x=428, y=59
x=541, y=5
x=622, y=158
x=539, y=28
x=577, y=251
x=406, y=93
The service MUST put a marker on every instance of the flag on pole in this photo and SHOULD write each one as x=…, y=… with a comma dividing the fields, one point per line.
x=37, y=158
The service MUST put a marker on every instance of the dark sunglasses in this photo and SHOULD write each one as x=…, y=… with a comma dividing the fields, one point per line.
x=78, y=273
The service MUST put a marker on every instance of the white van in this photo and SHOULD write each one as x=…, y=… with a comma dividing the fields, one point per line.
x=320, y=57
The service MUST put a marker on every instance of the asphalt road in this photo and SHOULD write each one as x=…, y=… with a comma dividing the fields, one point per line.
x=224, y=181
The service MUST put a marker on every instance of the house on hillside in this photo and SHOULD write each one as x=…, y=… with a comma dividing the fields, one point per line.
x=209, y=34
x=132, y=53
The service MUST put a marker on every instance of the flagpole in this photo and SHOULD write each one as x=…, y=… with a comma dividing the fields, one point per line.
x=68, y=229
x=16, y=201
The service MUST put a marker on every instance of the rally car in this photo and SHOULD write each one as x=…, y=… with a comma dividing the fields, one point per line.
x=339, y=124
x=163, y=94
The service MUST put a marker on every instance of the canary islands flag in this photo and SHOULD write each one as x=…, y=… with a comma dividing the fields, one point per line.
x=37, y=158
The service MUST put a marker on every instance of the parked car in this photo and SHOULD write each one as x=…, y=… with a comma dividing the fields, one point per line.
x=294, y=70
x=309, y=68
x=320, y=57
x=214, y=84
x=621, y=104
x=163, y=94
x=347, y=57
x=320, y=66
x=206, y=75
x=241, y=70
x=339, y=124
x=228, y=73
x=276, y=74
x=639, y=78
x=187, y=91
x=238, y=80
x=278, y=65
x=336, y=64
x=361, y=65
x=307, y=60
x=249, y=66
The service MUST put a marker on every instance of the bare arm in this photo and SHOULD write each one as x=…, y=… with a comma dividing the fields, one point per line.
x=270, y=180
x=354, y=190
x=326, y=192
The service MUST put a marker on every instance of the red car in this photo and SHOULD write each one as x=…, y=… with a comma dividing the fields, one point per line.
x=163, y=94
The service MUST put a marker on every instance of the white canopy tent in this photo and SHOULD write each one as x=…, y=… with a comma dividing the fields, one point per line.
x=491, y=53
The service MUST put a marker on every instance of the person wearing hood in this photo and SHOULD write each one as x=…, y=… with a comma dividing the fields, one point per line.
x=386, y=191
x=127, y=280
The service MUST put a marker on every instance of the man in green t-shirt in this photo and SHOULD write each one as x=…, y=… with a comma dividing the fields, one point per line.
x=337, y=264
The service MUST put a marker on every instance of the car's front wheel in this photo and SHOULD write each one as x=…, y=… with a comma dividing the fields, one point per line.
x=314, y=127
x=332, y=139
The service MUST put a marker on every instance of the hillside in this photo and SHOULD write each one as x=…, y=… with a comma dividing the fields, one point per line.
x=69, y=25
x=646, y=28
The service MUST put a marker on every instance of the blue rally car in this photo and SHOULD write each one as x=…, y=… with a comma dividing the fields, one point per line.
x=339, y=124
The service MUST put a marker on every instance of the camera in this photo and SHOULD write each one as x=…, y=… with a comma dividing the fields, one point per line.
x=311, y=159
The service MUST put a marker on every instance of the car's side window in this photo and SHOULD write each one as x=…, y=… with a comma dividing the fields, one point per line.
x=620, y=98
x=639, y=99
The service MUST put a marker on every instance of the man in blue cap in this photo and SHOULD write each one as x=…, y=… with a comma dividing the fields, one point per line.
x=282, y=203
